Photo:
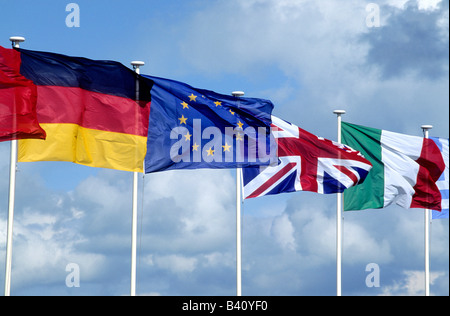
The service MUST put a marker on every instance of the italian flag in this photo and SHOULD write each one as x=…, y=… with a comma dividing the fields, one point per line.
x=405, y=170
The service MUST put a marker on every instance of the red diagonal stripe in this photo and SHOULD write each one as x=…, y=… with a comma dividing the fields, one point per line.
x=273, y=179
x=348, y=173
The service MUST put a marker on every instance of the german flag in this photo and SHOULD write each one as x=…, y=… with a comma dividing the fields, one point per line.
x=90, y=111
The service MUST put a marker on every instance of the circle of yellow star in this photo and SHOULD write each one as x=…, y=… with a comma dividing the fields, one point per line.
x=188, y=136
x=210, y=152
x=183, y=119
x=240, y=124
x=185, y=105
x=195, y=147
x=192, y=97
x=226, y=147
x=218, y=103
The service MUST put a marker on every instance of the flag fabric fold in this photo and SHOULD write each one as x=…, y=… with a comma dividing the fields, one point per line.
x=443, y=182
x=18, y=97
x=405, y=170
x=89, y=110
x=193, y=128
x=306, y=163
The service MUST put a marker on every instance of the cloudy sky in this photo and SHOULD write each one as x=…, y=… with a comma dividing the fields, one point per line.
x=308, y=57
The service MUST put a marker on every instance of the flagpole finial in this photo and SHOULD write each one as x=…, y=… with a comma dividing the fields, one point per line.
x=137, y=63
x=237, y=93
x=15, y=40
x=339, y=112
x=426, y=127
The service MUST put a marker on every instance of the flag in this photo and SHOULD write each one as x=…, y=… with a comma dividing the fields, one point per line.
x=193, y=128
x=306, y=163
x=405, y=170
x=443, y=182
x=18, y=96
x=89, y=111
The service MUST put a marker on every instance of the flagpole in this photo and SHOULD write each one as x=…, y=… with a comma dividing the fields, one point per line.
x=136, y=65
x=15, y=40
x=426, y=129
x=339, y=220
x=238, y=94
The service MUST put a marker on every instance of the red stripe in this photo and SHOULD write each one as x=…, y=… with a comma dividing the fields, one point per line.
x=92, y=110
x=431, y=167
x=348, y=173
x=273, y=180
x=17, y=100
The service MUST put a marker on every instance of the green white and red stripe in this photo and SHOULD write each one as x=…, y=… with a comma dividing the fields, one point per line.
x=405, y=170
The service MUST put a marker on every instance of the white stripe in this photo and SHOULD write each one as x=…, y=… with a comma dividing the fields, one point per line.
x=288, y=130
x=327, y=165
x=266, y=173
x=399, y=153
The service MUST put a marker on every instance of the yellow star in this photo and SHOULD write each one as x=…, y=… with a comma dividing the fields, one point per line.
x=210, y=152
x=239, y=136
x=192, y=97
x=232, y=113
x=185, y=105
x=218, y=103
x=188, y=136
x=240, y=124
x=226, y=147
x=183, y=119
x=195, y=147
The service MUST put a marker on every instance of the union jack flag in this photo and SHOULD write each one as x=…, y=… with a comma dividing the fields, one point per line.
x=306, y=163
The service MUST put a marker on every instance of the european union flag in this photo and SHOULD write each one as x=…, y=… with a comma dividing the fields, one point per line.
x=194, y=128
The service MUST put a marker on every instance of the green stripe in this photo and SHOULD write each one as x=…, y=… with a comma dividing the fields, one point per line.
x=370, y=194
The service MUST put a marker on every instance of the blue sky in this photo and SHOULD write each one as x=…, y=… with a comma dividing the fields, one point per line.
x=308, y=57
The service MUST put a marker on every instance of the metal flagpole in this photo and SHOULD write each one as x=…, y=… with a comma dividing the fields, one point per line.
x=15, y=40
x=425, y=129
x=238, y=94
x=339, y=221
x=136, y=65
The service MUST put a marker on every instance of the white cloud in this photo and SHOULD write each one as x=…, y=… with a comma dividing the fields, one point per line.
x=289, y=34
x=428, y=4
x=42, y=252
x=360, y=245
x=283, y=232
x=201, y=204
x=413, y=284
x=316, y=236
x=176, y=263
x=421, y=4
